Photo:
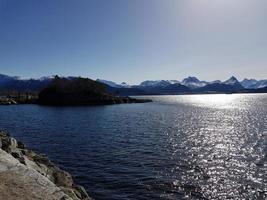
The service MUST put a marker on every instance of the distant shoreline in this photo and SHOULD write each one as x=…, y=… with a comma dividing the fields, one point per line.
x=133, y=99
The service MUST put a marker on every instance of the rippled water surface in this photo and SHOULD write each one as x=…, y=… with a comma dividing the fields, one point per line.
x=178, y=147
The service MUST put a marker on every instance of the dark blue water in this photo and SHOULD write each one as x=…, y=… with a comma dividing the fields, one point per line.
x=178, y=147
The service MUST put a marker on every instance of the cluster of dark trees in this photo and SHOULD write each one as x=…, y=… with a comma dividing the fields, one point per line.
x=80, y=91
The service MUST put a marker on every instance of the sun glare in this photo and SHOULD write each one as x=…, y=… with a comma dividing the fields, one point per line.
x=217, y=100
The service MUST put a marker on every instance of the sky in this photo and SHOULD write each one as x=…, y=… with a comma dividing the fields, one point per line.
x=134, y=40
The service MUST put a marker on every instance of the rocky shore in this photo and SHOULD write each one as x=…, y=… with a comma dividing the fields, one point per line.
x=7, y=101
x=26, y=175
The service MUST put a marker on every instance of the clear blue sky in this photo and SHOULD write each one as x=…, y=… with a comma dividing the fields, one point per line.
x=134, y=40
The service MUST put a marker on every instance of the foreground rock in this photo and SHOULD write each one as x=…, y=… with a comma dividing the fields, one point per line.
x=26, y=175
x=7, y=101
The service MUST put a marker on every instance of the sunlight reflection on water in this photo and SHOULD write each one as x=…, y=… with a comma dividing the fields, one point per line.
x=213, y=101
x=224, y=143
x=187, y=146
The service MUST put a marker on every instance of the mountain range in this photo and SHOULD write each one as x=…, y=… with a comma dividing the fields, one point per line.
x=149, y=87
x=191, y=82
x=188, y=85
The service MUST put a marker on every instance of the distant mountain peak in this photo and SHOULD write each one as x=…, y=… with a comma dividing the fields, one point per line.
x=146, y=87
x=43, y=78
x=113, y=84
x=231, y=81
x=216, y=81
x=5, y=78
x=193, y=82
x=125, y=85
x=247, y=79
x=191, y=78
x=249, y=83
x=234, y=78
x=109, y=83
x=253, y=83
x=150, y=83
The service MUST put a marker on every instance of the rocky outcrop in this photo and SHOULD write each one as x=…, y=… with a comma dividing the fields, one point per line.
x=26, y=175
x=80, y=91
x=7, y=101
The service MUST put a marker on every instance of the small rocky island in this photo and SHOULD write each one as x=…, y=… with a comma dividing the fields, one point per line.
x=26, y=175
x=80, y=91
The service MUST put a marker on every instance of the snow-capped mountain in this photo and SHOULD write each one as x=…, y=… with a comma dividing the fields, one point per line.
x=193, y=82
x=125, y=85
x=17, y=83
x=158, y=83
x=248, y=83
x=173, y=81
x=187, y=85
x=110, y=83
x=260, y=84
x=253, y=83
x=5, y=78
x=216, y=81
x=234, y=83
x=113, y=84
x=231, y=81
x=44, y=78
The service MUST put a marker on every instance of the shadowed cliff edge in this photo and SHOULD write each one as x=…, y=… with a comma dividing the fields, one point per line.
x=26, y=175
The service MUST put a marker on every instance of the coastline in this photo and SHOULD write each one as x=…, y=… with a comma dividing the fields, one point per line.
x=26, y=175
x=108, y=101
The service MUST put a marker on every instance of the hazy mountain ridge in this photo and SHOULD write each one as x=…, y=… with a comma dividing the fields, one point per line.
x=113, y=84
x=254, y=84
x=15, y=83
x=193, y=82
x=187, y=85
x=192, y=85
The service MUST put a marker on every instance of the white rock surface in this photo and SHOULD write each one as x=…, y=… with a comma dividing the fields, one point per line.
x=20, y=182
